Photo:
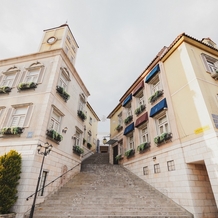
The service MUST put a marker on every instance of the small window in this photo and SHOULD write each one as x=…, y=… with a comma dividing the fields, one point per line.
x=77, y=138
x=90, y=120
x=156, y=86
x=162, y=124
x=42, y=183
x=128, y=112
x=145, y=170
x=156, y=168
x=144, y=135
x=55, y=119
x=63, y=81
x=121, y=147
x=89, y=139
x=8, y=80
x=171, y=165
x=120, y=119
x=68, y=39
x=130, y=142
x=210, y=63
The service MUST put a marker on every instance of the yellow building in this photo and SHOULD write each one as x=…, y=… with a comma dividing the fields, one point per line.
x=170, y=125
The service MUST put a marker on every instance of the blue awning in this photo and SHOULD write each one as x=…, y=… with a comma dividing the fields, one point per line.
x=129, y=129
x=158, y=107
x=128, y=99
x=152, y=73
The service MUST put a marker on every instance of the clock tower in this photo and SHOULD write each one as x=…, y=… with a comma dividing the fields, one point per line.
x=60, y=37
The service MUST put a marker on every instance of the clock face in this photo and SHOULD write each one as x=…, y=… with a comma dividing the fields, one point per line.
x=51, y=40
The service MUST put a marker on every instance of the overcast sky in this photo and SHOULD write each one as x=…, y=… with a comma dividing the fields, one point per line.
x=117, y=38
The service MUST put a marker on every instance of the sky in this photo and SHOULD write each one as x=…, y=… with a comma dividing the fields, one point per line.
x=117, y=38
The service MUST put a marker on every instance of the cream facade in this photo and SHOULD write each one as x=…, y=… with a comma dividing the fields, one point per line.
x=170, y=125
x=42, y=100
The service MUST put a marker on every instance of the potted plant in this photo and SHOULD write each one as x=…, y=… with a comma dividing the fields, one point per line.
x=144, y=146
x=129, y=153
x=89, y=145
x=119, y=128
x=139, y=109
x=81, y=115
x=12, y=131
x=5, y=89
x=54, y=135
x=62, y=93
x=128, y=119
x=155, y=96
x=162, y=138
x=23, y=86
x=77, y=150
x=119, y=157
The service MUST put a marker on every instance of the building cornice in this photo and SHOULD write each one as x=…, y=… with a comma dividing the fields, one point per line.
x=93, y=112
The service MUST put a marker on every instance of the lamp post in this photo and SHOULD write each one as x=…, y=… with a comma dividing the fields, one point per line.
x=47, y=148
x=105, y=140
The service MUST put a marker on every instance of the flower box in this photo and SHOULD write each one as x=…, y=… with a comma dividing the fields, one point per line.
x=140, y=109
x=54, y=135
x=5, y=89
x=119, y=157
x=119, y=128
x=143, y=147
x=89, y=145
x=77, y=150
x=23, y=86
x=162, y=138
x=130, y=153
x=128, y=119
x=12, y=130
x=155, y=96
x=81, y=115
x=62, y=93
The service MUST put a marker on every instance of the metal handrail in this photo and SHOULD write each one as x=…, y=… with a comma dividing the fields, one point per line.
x=52, y=182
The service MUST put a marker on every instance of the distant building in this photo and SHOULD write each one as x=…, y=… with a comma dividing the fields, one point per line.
x=43, y=99
x=165, y=126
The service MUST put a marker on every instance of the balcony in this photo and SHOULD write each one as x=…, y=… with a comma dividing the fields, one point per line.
x=119, y=128
x=143, y=147
x=129, y=153
x=4, y=89
x=81, y=115
x=163, y=138
x=11, y=131
x=128, y=119
x=62, y=93
x=155, y=96
x=54, y=136
x=77, y=150
x=140, y=109
x=25, y=86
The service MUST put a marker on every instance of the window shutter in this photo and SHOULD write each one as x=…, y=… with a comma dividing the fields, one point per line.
x=205, y=62
x=15, y=79
x=28, y=116
x=41, y=74
x=23, y=75
x=7, y=117
x=1, y=78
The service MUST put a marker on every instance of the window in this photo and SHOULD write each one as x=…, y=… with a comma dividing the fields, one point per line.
x=32, y=76
x=77, y=138
x=8, y=80
x=18, y=116
x=155, y=84
x=66, y=49
x=211, y=64
x=120, y=119
x=63, y=81
x=144, y=135
x=42, y=183
x=162, y=124
x=121, y=147
x=131, y=142
x=156, y=168
x=90, y=120
x=141, y=101
x=68, y=39
x=55, y=121
x=171, y=165
x=128, y=112
x=145, y=170
x=82, y=102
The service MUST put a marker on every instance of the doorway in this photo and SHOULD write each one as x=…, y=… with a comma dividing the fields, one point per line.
x=115, y=153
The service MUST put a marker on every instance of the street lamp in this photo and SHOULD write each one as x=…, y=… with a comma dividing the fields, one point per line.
x=105, y=140
x=47, y=149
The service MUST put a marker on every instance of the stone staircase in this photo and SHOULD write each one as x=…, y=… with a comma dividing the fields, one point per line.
x=104, y=190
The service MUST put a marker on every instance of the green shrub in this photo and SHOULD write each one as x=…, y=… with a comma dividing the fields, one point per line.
x=10, y=169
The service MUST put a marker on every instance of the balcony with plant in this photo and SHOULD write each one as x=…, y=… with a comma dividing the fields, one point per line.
x=155, y=96
x=52, y=134
x=11, y=130
x=143, y=147
x=163, y=138
x=5, y=89
x=140, y=109
x=81, y=115
x=129, y=153
x=24, y=86
x=119, y=157
x=77, y=150
x=119, y=128
x=128, y=119
x=89, y=146
x=60, y=90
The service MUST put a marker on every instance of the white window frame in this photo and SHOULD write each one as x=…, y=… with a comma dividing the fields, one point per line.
x=10, y=82
x=120, y=119
x=171, y=165
x=121, y=147
x=162, y=127
x=128, y=112
x=82, y=103
x=144, y=137
x=55, y=119
x=156, y=168
x=130, y=140
x=77, y=138
x=155, y=84
x=210, y=63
